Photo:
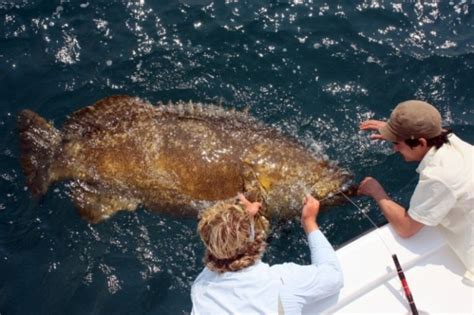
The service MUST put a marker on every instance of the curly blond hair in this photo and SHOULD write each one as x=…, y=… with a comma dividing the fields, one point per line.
x=226, y=230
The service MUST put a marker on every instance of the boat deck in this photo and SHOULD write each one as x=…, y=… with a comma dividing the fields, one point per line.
x=433, y=272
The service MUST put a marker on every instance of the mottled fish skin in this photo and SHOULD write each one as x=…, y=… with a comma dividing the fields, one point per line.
x=123, y=152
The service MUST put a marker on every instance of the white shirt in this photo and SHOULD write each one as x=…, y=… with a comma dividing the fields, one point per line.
x=256, y=289
x=444, y=196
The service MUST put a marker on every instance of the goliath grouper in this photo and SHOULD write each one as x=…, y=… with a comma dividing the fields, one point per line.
x=123, y=152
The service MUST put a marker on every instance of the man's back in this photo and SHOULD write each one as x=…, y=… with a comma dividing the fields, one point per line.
x=253, y=290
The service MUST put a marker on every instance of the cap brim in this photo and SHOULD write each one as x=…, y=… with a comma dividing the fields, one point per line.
x=387, y=133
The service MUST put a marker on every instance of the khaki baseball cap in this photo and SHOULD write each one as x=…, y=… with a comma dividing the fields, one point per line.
x=412, y=120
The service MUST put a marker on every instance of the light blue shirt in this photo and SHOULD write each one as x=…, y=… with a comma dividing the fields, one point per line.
x=256, y=289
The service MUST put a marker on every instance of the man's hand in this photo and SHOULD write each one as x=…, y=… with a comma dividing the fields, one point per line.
x=309, y=214
x=372, y=188
x=251, y=207
x=373, y=124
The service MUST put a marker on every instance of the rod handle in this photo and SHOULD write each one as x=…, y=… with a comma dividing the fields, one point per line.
x=406, y=289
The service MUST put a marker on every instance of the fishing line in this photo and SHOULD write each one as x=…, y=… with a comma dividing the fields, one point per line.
x=401, y=274
x=370, y=220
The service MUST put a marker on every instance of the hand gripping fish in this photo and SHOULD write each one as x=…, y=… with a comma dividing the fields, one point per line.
x=123, y=152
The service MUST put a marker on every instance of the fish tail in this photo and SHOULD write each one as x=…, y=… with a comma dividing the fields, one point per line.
x=39, y=140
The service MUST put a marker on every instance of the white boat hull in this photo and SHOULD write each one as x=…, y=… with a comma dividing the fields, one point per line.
x=433, y=271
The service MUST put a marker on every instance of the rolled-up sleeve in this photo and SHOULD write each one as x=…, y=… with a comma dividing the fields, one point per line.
x=431, y=202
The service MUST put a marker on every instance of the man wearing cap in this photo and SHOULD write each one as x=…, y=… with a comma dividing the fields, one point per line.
x=444, y=195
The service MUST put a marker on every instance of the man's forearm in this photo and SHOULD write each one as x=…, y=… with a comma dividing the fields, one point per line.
x=310, y=225
x=396, y=215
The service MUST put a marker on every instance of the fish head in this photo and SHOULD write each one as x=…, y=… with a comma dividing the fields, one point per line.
x=347, y=190
x=330, y=187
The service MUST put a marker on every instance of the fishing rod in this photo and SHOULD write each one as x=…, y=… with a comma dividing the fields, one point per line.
x=401, y=274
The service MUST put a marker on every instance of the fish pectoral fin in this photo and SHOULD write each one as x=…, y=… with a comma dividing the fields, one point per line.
x=95, y=205
x=252, y=186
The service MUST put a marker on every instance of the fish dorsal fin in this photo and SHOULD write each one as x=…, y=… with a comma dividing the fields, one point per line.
x=111, y=113
x=121, y=112
x=190, y=110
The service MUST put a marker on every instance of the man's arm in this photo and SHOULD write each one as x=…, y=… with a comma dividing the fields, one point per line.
x=402, y=223
x=309, y=214
x=310, y=283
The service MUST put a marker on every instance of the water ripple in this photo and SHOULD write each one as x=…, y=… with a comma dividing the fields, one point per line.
x=313, y=69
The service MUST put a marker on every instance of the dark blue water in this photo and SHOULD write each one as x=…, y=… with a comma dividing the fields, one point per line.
x=311, y=68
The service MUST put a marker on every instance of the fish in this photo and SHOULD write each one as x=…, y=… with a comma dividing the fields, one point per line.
x=122, y=153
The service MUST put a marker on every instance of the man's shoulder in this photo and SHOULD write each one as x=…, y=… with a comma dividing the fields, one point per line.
x=456, y=147
x=447, y=163
x=453, y=138
x=205, y=276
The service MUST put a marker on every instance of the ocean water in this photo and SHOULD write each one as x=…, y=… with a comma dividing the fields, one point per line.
x=314, y=69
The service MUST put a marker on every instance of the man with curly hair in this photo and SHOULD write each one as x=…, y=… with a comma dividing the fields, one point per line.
x=236, y=281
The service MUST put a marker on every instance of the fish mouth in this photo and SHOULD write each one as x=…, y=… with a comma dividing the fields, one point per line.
x=348, y=189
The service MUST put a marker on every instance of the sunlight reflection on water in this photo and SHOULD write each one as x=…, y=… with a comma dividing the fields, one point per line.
x=313, y=69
